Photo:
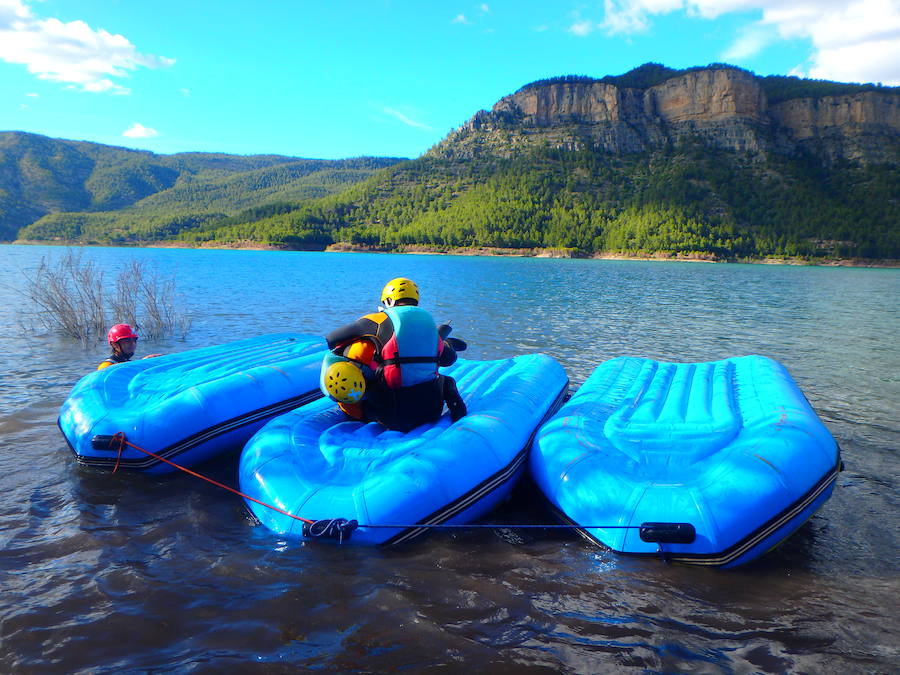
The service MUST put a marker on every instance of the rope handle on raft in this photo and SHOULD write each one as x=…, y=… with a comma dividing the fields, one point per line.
x=342, y=528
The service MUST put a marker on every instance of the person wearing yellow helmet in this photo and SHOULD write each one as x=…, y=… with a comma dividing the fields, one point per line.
x=402, y=348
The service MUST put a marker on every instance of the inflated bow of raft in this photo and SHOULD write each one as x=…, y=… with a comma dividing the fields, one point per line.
x=190, y=406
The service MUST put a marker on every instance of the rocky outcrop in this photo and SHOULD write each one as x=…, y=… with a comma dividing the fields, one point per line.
x=723, y=107
x=708, y=96
x=863, y=127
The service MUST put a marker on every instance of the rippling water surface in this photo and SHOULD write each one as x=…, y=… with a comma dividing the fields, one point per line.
x=111, y=573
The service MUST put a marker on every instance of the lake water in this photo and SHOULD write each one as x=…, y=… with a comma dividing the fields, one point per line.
x=111, y=573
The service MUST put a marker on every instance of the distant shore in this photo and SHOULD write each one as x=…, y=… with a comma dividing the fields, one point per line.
x=419, y=249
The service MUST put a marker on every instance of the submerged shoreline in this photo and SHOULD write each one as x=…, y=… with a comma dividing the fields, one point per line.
x=495, y=251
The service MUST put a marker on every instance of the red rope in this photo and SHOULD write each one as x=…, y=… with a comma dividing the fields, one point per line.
x=119, y=438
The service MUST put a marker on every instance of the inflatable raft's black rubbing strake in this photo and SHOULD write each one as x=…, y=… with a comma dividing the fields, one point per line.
x=173, y=451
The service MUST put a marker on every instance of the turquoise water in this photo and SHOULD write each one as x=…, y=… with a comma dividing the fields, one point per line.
x=125, y=572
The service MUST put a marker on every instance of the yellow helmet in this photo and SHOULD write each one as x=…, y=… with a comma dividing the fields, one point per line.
x=399, y=289
x=344, y=382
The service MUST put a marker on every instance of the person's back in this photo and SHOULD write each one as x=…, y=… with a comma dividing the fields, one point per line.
x=406, y=350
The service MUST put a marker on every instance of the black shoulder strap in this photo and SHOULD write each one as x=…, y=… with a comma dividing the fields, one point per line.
x=409, y=359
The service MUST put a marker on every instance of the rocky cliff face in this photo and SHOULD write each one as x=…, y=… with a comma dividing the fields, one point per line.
x=864, y=127
x=724, y=107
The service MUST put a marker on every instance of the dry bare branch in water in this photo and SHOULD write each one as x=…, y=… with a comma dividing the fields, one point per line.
x=74, y=298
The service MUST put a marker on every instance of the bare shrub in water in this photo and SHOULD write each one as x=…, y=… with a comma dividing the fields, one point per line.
x=157, y=296
x=123, y=301
x=73, y=298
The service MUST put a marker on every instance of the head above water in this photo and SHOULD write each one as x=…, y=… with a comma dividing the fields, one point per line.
x=400, y=291
x=121, y=331
x=123, y=339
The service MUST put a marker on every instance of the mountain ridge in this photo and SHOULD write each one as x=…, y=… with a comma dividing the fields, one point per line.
x=42, y=176
x=729, y=107
x=697, y=163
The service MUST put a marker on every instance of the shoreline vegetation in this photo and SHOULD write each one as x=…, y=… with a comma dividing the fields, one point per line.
x=537, y=252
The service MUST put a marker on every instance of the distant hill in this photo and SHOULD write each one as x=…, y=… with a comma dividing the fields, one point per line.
x=87, y=190
x=712, y=162
x=656, y=161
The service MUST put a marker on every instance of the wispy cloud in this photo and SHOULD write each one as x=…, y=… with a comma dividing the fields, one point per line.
x=460, y=18
x=138, y=130
x=751, y=40
x=484, y=7
x=851, y=40
x=69, y=52
x=582, y=28
x=406, y=119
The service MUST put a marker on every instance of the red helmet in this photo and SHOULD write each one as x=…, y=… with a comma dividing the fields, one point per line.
x=120, y=331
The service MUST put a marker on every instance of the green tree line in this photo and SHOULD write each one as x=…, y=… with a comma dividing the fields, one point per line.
x=693, y=200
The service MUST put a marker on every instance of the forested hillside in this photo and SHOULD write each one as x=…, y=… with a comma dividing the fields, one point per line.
x=690, y=201
x=711, y=162
x=111, y=194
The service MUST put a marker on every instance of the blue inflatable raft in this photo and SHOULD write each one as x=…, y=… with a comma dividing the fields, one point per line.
x=315, y=464
x=190, y=406
x=705, y=463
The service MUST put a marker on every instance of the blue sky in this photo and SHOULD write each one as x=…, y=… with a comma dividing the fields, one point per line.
x=380, y=77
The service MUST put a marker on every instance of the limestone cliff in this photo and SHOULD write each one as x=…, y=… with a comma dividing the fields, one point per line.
x=863, y=127
x=723, y=107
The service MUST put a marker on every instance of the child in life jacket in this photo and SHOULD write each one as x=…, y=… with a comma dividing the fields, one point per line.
x=392, y=374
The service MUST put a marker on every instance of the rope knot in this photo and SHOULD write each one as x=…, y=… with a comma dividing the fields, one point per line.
x=330, y=528
x=118, y=441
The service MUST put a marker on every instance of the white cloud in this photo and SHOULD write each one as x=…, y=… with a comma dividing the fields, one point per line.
x=408, y=121
x=852, y=40
x=632, y=16
x=484, y=7
x=460, y=18
x=138, y=130
x=73, y=52
x=582, y=28
x=32, y=95
x=751, y=40
x=185, y=92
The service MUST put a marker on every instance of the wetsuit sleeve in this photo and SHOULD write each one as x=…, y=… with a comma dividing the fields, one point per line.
x=364, y=327
x=448, y=355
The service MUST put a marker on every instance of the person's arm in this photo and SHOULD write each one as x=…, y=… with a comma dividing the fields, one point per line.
x=447, y=356
x=455, y=404
x=365, y=327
